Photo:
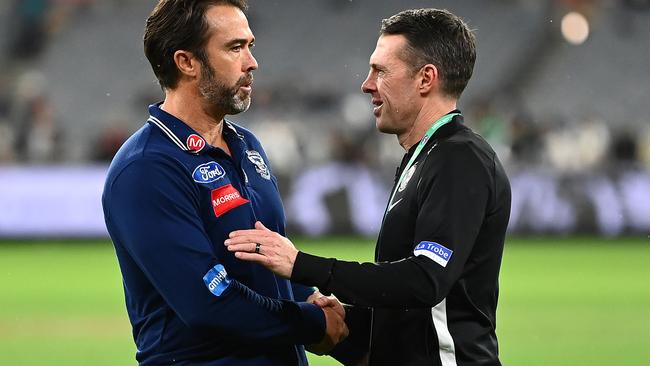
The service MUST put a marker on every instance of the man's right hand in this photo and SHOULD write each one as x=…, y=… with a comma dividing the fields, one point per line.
x=335, y=330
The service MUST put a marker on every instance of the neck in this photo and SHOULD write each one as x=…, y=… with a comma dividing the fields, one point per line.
x=189, y=109
x=427, y=115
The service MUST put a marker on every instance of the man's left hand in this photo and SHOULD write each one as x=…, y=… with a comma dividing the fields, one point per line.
x=265, y=247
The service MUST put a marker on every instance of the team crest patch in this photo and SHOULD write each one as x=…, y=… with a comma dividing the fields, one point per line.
x=217, y=280
x=260, y=165
x=407, y=178
x=225, y=199
x=208, y=172
x=195, y=143
x=437, y=252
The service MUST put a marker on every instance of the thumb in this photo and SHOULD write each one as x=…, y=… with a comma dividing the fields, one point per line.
x=260, y=226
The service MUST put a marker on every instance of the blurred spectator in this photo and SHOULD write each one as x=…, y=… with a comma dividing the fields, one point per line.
x=579, y=146
x=644, y=147
x=28, y=28
x=109, y=141
x=492, y=125
x=527, y=144
x=624, y=149
x=39, y=138
x=6, y=130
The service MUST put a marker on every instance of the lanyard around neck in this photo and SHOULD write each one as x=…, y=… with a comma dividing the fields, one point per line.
x=434, y=127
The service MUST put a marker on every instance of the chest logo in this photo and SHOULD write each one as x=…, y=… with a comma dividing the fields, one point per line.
x=407, y=178
x=195, y=143
x=225, y=199
x=260, y=165
x=208, y=172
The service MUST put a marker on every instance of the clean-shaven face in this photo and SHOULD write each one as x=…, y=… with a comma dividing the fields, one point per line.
x=392, y=86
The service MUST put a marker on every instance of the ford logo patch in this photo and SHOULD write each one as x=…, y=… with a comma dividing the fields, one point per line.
x=208, y=172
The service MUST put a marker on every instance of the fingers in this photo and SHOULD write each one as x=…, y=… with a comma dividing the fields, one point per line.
x=249, y=240
x=252, y=257
x=260, y=226
x=245, y=247
x=324, y=301
x=331, y=302
x=335, y=331
x=311, y=299
x=259, y=231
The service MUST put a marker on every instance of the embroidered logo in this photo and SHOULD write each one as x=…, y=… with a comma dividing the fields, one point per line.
x=208, y=172
x=225, y=199
x=260, y=165
x=195, y=143
x=407, y=178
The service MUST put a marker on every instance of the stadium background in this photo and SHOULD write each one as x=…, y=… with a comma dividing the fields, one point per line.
x=560, y=89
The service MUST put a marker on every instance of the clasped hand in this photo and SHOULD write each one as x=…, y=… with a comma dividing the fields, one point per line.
x=278, y=254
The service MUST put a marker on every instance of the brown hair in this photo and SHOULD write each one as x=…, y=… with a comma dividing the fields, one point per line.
x=178, y=25
x=436, y=37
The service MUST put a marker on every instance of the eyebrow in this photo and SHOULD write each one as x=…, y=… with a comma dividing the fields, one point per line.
x=239, y=41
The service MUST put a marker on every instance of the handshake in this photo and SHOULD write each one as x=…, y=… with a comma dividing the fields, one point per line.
x=336, y=330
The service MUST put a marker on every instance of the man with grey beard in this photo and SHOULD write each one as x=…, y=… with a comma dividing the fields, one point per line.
x=184, y=181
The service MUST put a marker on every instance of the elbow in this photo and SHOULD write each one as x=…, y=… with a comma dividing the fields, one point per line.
x=194, y=321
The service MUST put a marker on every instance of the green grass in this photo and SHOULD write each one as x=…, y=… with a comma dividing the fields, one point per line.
x=563, y=302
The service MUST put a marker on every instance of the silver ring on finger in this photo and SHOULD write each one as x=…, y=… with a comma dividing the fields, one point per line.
x=258, y=246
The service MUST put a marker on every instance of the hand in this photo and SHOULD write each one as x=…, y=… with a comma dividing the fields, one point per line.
x=275, y=252
x=335, y=332
x=327, y=301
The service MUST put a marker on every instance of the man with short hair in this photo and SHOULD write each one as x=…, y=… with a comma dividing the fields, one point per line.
x=432, y=292
x=185, y=180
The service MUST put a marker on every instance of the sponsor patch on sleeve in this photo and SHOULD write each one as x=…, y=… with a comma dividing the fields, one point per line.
x=217, y=280
x=434, y=251
x=225, y=199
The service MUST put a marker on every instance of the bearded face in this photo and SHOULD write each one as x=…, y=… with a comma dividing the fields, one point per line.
x=232, y=99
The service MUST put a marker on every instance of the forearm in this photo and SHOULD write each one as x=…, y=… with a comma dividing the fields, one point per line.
x=397, y=284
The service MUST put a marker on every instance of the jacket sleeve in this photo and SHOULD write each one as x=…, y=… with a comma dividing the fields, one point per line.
x=152, y=211
x=452, y=199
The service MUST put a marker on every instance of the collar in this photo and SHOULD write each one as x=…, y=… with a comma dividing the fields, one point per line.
x=182, y=135
x=443, y=131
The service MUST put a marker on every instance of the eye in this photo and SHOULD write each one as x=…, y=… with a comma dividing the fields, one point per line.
x=236, y=48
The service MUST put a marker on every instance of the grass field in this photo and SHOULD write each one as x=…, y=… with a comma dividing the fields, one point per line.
x=563, y=302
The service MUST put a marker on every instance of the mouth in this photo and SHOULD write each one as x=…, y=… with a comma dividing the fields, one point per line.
x=246, y=85
x=378, y=104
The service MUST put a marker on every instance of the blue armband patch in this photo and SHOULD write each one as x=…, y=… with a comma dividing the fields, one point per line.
x=434, y=251
x=217, y=280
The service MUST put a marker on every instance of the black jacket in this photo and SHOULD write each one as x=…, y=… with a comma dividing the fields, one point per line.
x=433, y=290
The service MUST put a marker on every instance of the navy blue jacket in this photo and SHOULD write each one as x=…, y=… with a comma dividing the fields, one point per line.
x=170, y=201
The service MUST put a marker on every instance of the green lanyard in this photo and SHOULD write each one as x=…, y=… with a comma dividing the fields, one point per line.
x=434, y=127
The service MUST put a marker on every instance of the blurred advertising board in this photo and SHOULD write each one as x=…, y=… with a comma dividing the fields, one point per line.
x=65, y=202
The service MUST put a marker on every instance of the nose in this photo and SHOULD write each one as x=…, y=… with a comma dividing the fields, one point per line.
x=251, y=62
x=369, y=85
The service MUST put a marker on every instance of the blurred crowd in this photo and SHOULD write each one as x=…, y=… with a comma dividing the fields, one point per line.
x=316, y=125
x=31, y=130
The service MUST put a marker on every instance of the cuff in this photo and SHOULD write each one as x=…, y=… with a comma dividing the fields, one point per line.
x=311, y=270
x=312, y=323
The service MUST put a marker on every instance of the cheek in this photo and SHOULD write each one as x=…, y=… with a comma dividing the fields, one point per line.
x=394, y=92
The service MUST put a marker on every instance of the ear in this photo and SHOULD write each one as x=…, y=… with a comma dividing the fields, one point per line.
x=429, y=79
x=187, y=64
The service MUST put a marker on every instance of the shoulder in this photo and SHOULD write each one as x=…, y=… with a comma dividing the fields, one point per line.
x=144, y=155
x=461, y=154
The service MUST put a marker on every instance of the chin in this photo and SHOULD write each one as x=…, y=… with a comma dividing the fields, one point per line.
x=384, y=128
